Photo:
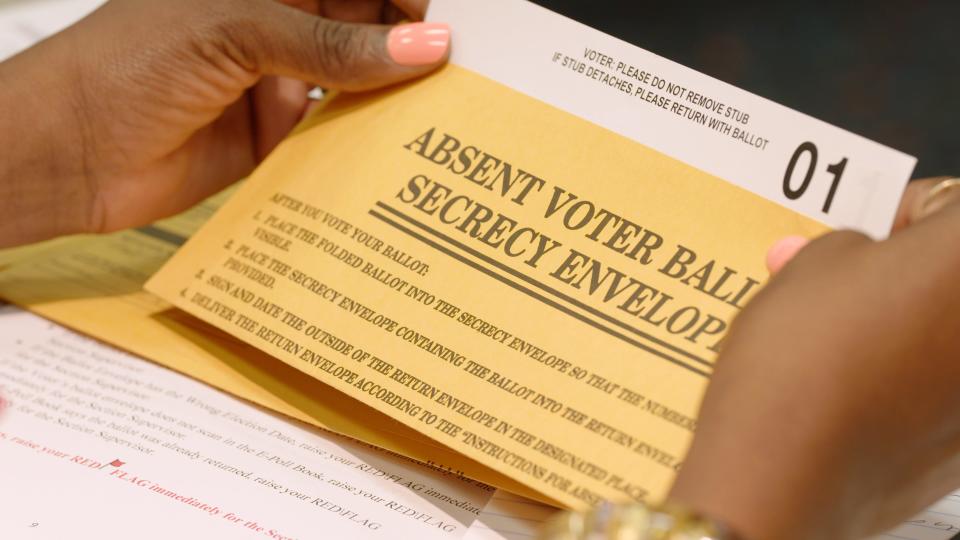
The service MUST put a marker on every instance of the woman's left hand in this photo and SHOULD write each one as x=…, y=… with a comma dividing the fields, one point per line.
x=145, y=108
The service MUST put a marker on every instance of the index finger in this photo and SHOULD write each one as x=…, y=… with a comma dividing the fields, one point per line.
x=917, y=201
x=415, y=9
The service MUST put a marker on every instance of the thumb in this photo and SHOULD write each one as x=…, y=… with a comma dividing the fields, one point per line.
x=332, y=54
x=783, y=251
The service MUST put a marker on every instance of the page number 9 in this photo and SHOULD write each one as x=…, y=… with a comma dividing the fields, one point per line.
x=794, y=193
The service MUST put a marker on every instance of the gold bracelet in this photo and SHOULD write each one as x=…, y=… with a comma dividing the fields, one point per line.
x=634, y=522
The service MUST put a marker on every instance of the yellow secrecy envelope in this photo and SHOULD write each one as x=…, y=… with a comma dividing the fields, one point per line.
x=94, y=285
x=535, y=290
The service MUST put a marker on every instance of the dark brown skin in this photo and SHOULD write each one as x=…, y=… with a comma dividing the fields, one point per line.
x=834, y=409
x=145, y=108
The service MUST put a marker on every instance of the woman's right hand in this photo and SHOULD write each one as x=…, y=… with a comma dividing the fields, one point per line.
x=833, y=412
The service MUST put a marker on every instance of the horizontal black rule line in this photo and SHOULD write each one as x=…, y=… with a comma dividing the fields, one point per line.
x=546, y=288
x=533, y=294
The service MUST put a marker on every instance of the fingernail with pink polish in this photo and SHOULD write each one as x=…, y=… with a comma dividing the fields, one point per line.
x=418, y=44
x=784, y=250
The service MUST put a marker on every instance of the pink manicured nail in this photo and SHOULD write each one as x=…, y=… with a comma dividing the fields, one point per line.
x=784, y=250
x=418, y=44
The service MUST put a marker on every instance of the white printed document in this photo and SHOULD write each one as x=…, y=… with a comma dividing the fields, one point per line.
x=95, y=443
